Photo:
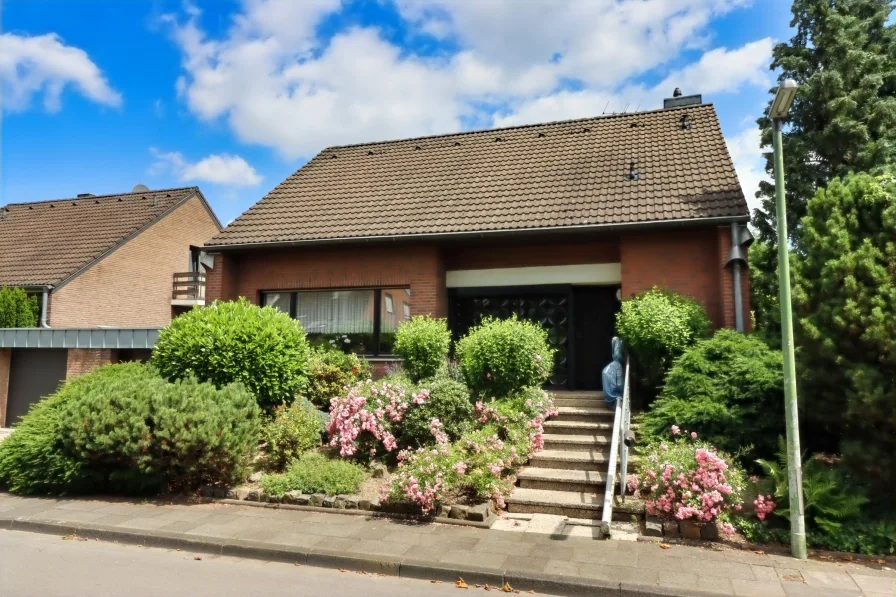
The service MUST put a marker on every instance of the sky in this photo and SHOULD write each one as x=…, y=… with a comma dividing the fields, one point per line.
x=235, y=95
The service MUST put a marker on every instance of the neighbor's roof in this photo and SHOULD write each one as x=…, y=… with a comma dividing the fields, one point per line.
x=555, y=175
x=47, y=242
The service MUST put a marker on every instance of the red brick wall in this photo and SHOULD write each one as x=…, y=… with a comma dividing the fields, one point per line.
x=5, y=358
x=530, y=254
x=419, y=267
x=685, y=261
x=85, y=360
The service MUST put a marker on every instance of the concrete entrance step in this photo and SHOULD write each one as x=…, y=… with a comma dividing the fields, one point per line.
x=554, y=479
x=578, y=394
x=567, y=503
x=577, y=442
x=578, y=413
x=594, y=459
x=583, y=402
x=558, y=426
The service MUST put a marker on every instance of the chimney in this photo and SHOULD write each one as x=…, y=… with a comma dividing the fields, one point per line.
x=677, y=100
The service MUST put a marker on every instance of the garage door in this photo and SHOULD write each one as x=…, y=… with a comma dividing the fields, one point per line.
x=33, y=374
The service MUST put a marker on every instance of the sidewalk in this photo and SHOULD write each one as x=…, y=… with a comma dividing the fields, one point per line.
x=561, y=565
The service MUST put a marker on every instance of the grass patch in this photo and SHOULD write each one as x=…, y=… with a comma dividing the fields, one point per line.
x=315, y=473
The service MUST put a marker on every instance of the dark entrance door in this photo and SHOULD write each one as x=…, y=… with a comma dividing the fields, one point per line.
x=594, y=315
x=546, y=305
x=33, y=374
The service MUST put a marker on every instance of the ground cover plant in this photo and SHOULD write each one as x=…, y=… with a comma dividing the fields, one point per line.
x=292, y=430
x=313, y=472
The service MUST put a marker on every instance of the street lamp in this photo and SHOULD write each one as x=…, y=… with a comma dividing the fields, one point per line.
x=778, y=112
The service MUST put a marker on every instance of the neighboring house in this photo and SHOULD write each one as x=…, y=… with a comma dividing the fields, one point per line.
x=555, y=222
x=131, y=260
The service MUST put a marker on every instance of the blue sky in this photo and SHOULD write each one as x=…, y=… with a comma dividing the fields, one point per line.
x=234, y=96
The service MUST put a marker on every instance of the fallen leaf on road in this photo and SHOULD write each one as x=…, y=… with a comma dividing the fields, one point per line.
x=487, y=588
x=197, y=558
x=507, y=588
x=343, y=570
x=759, y=552
x=461, y=584
x=665, y=546
x=297, y=564
x=436, y=582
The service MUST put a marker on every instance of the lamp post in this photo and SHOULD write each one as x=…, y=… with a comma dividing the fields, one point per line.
x=778, y=112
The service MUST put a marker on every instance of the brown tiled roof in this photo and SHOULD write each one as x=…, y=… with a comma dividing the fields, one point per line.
x=46, y=242
x=559, y=174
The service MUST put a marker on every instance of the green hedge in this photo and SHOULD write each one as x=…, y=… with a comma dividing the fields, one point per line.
x=17, y=309
x=260, y=347
x=500, y=357
x=423, y=344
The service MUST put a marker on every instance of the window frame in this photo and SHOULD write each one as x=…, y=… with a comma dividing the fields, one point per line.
x=377, y=312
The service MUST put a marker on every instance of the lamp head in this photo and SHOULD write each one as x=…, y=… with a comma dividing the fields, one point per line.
x=783, y=99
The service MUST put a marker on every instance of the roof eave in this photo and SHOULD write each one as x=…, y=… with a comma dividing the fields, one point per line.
x=610, y=227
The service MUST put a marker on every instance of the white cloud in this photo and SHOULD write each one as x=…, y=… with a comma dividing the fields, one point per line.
x=44, y=65
x=749, y=161
x=222, y=169
x=275, y=83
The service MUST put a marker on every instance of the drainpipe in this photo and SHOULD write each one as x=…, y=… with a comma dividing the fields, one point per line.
x=44, y=300
x=740, y=238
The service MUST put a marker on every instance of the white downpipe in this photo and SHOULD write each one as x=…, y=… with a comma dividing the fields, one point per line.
x=616, y=441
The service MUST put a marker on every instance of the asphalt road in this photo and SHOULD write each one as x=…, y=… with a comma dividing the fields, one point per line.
x=37, y=565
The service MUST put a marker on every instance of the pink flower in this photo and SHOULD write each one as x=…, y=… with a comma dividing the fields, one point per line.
x=693, y=435
x=727, y=528
x=675, y=430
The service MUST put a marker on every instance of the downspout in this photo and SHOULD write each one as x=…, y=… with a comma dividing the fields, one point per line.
x=44, y=301
x=738, y=299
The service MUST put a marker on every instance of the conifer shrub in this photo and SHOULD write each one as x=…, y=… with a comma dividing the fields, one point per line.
x=123, y=428
x=729, y=389
x=260, y=347
x=315, y=473
x=293, y=430
x=423, y=344
x=500, y=357
x=449, y=404
x=17, y=309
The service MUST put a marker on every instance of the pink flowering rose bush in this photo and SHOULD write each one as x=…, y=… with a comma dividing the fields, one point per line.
x=366, y=421
x=481, y=463
x=688, y=479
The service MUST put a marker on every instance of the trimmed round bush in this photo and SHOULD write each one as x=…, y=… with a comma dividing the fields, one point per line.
x=502, y=356
x=730, y=390
x=260, y=347
x=449, y=402
x=423, y=344
x=292, y=431
x=657, y=326
x=330, y=372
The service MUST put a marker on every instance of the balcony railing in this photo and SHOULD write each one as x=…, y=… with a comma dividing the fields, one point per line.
x=188, y=289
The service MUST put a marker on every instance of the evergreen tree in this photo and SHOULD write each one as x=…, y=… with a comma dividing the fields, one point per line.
x=844, y=117
x=17, y=309
x=845, y=300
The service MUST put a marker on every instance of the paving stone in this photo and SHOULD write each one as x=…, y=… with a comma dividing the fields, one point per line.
x=875, y=584
x=232, y=494
x=709, y=532
x=653, y=527
x=253, y=496
x=351, y=502
x=474, y=558
x=479, y=512
x=242, y=494
x=765, y=573
x=755, y=588
x=689, y=530
x=829, y=579
x=364, y=504
x=290, y=497
x=801, y=590
x=317, y=499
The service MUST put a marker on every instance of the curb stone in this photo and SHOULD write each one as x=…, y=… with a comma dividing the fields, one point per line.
x=326, y=558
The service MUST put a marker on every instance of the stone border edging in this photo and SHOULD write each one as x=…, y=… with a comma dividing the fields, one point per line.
x=326, y=558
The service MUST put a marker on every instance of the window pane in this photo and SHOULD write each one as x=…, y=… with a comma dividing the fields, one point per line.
x=391, y=318
x=278, y=300
x=340, y=318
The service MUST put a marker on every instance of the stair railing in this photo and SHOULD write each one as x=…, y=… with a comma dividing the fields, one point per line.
x=618, y=451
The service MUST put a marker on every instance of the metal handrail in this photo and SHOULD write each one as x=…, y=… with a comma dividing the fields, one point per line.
x=621, y=421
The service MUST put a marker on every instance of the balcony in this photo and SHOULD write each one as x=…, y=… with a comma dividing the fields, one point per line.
x=188, y=289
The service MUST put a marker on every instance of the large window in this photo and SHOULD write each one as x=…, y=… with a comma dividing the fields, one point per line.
x=359, y=321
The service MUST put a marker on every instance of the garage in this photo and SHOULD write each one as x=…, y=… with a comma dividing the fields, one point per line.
x=33, y=374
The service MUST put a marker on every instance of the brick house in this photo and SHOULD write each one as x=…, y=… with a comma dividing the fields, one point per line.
x=130, y=260
x=556, y=222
